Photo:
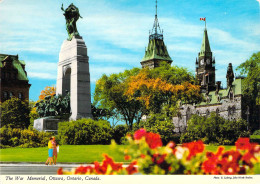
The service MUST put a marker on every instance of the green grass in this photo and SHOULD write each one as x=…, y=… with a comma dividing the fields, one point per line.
x=70, y=153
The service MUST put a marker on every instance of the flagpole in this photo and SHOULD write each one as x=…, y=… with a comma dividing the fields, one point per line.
x=205, y=23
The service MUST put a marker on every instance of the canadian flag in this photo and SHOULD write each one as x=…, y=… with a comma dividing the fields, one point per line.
x=204, y=19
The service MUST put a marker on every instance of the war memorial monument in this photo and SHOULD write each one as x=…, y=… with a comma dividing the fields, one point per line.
x=73, y=96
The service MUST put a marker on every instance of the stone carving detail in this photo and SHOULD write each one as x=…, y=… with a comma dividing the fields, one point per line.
x=71, y=15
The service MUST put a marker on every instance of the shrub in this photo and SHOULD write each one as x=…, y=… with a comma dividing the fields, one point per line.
x=160, y=124
x=257, y=132
x=119, y=133
x=255, y=138
x=85, y=131
x=27, y=138
x=15, y=113
x=214, y=130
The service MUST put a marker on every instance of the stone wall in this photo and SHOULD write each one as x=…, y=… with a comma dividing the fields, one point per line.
x=227, y=108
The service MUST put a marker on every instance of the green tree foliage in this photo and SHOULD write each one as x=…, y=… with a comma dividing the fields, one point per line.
x=110, y=95
x=215, y=130
x=27, y=138
x=161, y=124
x=251, y=87
x=251, y=68
x=85, y=132
x=15, y=113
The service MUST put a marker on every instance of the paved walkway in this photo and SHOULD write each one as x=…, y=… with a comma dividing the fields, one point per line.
x=34, y=168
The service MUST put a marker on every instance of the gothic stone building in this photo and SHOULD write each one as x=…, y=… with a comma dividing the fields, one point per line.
x=14, y=80
x=227, y=103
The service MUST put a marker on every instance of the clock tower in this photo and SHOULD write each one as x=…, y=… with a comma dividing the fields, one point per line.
x=205, y=66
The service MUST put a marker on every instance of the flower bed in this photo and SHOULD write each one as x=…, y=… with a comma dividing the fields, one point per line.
x=150, y=157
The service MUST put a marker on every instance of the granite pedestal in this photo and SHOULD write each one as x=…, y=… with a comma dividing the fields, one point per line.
x=73, y=76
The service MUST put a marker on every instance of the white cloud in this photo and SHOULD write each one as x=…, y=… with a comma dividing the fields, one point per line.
x=40, y=75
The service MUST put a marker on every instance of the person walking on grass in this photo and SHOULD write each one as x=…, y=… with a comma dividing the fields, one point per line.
x=55, y=150
x=50, y=152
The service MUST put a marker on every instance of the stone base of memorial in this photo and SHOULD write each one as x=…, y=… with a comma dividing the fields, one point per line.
x=47, y=124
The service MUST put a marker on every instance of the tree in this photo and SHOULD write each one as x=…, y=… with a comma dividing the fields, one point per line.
x=159, y=95
x=15, y=113
x=110, y=95
x=251, y=86
x=48, y=90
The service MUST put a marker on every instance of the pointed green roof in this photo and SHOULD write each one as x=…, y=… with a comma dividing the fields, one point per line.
x=205, y=47
x=156, y=50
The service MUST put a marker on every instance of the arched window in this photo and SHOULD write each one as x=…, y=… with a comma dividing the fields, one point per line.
x=219, y=98
x=5, y=95
x=20, y=96
x=207, y=113
x=217, y=111
x=233, y=110
x=11, y=94
x=229, y=111
x=188, y=114
x=231, y=95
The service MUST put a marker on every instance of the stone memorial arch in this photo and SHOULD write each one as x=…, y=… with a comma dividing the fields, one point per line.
x=73, y=68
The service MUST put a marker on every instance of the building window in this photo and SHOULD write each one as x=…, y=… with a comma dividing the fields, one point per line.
x=11, y=94
x=231, y=95
x=188, y=114
x=229, y=111
x=20, y=96
x=217, y=111
x=233, y=110
x=5, y=95
x=8, y=75
x=207, y=113
x=198, y=112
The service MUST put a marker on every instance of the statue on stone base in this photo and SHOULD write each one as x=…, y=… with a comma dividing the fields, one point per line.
x=71, y=15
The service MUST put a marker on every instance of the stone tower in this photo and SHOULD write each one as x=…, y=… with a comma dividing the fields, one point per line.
x=205, y=66
x=156, y=52
x=73, y=69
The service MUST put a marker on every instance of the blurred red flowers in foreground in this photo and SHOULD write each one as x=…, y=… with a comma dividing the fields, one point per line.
x=149, y=156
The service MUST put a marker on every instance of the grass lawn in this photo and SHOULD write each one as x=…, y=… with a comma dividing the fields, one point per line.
x=70, y=153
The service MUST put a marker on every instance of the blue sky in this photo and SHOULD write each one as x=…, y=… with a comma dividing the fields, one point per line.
x=116, y=33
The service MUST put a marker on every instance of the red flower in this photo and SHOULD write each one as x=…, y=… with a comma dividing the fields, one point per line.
x=153, y=140
x=243, y=143
x=158, y=159
x=139, y=134
x=142, y=156
x=194, y=148
x=229, y=168
x=60, y=171
x=109, y=161
x=232, y=156
x=127, y=157
x=100, y=169
x=131, y=169
x=84, y=169
x=209, y=167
